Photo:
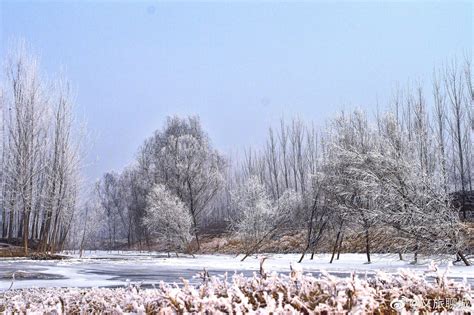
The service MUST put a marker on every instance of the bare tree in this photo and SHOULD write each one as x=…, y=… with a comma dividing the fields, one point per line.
x=40, y=154
x=455, y=90
x=27, y=131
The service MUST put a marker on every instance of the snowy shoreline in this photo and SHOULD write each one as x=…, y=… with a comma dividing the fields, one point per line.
x=105, y=269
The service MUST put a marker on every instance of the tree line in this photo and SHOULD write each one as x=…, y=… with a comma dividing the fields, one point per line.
x=394, y=170
x=40, y=155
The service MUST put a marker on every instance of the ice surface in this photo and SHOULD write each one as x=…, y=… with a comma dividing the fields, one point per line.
x=100, y=268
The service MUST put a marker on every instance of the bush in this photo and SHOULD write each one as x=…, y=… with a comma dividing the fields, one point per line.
x=261, y=294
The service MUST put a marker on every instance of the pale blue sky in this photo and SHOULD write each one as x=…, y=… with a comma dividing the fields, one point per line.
x=239, y=65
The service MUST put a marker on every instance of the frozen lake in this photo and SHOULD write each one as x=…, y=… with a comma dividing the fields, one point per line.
x=117, y=269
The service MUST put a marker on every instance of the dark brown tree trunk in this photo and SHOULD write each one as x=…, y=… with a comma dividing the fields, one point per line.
x=304, y=252
x=26, y=223
x=313, y=249
x=259, y=243
x=464, y=259
x=336, y=243
x=367, y=244
x=4, y=222
x=197, y=239
x=310, y=231
x=340, y=247
x=10, y=225
x=415, y=260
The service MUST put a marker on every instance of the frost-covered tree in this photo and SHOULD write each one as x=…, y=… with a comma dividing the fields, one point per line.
x=199, y=172
x=27, y=133
x=255, y=211
x=351, y=141
x=89, y=228
x=385, y=176
x=458, y=89
x=112, y=194
x=414, y=197
x=390, y=182
x=182, y=158
x=40, y=154
x=392, y=175
x=167, y=218
x=318, y=215
x=259, y=217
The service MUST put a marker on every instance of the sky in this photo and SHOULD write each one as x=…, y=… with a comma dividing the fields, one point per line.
x=239, y=65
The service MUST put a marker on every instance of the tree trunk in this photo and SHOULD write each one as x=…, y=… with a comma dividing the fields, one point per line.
x=367, y=245
x=310, y=230
x=197, y=240
x=26, y=222
x=192, y=210
x=258, y=244
x=464, y=259
x=33, y=226
x=4, y=222
x=340, y=247
x=336, y=243
x=304, y=253
x=81, y=248
x=10, y=225
x=415, y=259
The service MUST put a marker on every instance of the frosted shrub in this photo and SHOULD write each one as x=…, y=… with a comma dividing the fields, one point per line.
x=296, y=293
x=255, y=209
x=167, y=218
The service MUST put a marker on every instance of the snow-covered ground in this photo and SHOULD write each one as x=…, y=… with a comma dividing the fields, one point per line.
x=117, y=268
